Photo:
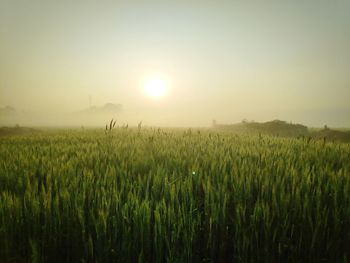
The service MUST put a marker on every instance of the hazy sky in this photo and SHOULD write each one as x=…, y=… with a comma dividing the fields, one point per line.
x=259, y=60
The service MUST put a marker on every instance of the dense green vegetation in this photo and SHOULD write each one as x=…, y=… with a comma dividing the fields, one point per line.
x=173, y=196
x=275, y=127
x=283, y=129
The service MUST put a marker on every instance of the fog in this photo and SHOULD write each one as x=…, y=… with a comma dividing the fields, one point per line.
x=62, y=63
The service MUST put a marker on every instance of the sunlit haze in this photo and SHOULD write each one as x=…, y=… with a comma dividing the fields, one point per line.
x=155, y=86
x=222, y=60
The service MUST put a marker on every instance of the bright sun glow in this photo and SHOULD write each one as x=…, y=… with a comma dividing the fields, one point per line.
x=155, y=86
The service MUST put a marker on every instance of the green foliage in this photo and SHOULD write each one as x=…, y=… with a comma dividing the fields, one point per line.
x=152, y=195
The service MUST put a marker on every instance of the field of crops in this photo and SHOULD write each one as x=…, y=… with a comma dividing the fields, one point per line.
x=154, y=195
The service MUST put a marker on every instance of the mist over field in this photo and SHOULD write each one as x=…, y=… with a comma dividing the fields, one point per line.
x=228, y=60
x=91, y=118
x=175, y=131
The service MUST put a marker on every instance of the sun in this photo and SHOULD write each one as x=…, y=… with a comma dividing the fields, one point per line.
x=155, y=86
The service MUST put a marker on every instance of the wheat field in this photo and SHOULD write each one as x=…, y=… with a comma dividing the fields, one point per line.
x=172, y=195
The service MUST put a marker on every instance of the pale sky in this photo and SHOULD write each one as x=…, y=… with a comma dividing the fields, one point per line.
x=223, y=60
